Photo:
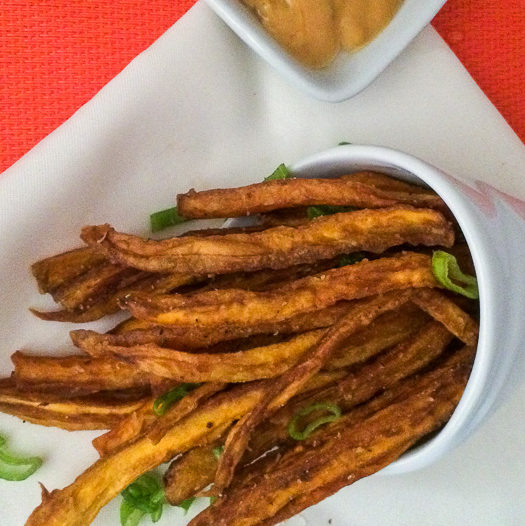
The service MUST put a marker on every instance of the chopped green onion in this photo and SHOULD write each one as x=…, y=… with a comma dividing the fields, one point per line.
x=316, y=211
x=15, y=468
x=129, y=515
x=156, y=514
x=343, y=143
x=281, y=172
x=212, y=499
x=165, y=218
x=350, y=259
x=293, y=430
x=145, y=496
x=446, y=270
x=162, y=403
x=186, y=504
x=217, y=452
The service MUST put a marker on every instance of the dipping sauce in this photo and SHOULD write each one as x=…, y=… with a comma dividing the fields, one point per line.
x=314, y=31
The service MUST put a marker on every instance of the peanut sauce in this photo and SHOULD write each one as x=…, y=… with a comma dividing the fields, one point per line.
x=314, y=31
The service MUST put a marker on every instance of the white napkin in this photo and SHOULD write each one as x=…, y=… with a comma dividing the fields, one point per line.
x=199, y=109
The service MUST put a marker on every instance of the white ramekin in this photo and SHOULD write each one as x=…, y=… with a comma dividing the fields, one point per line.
x=494, y=227
x=350, y=72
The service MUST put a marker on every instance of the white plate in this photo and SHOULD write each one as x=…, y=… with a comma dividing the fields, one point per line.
x=200, y=109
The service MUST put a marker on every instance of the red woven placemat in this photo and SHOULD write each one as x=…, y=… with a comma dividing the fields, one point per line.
x=56, y=54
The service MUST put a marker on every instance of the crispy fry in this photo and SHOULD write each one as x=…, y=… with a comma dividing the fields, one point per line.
x=245, y=308
x=388, y=330
x=67, y=413
x=145, y=421
x=289, y=193
x=53, y=272
x=74, y=375
x=281, y=389
x=138, y=332
x=101, y=279
x=242, y=366
x=106, y=304
x=266, y=361
x=182, y=408
x=361, y=383
x=370, y=230
x=126, y=430
x=356, y=387
x=80, y=502
x=342, y=456
x=443, y=309
x=190, y=474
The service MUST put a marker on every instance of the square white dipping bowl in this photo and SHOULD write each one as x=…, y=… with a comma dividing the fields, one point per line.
x=349, y=73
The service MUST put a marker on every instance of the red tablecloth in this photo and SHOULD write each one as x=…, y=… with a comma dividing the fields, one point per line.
x=56, y=54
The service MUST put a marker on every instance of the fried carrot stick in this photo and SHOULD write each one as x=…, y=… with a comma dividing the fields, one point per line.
x=369, y=230
x=243, y=366
x=81, y=501
x=290, y=193
x=102, y=304
x=145, y=421
x=358, y=386
x=344, y=454
x=53, y=272
x=137, y=332
x=245, y=308
x=77, y=413
x=256, y=362
x=99, y=280
x=284, y=387
x=74, y=375
x=443, y=309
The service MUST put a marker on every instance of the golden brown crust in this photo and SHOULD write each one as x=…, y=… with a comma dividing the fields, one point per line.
x=326, y=237
x=188, y=475
x=108, y=302
x=80, y=502
x=444, y=310
x=284, y=387
x=137, y=332
x=53, y=272
x=74, y=375
x=68, y=413
x=242, y=366
x=290, y=193
x=245, y=308
x=344, y=455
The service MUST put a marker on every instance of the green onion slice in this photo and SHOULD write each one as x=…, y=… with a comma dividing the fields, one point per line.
x=217, y=452
x=446, y=270
x=162, y=403
x=145, y=496
x=281, y=172
x=186, y=504
x=350, y=259
x=296, y=434
x=16, y=468
x=165, y=218
x=129, y=515
x=316, y=211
